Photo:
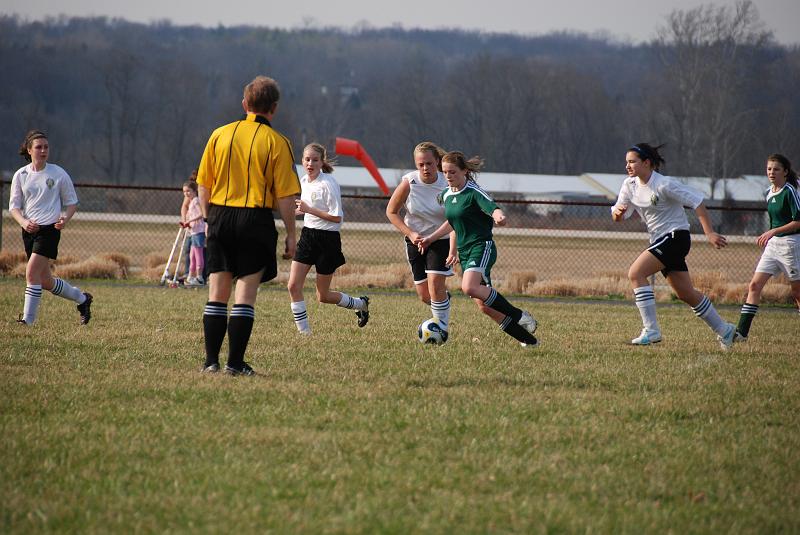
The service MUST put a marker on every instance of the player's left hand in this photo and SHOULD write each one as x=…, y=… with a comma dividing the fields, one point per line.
x=764, y=238
x=289, y=249
x=717, y=240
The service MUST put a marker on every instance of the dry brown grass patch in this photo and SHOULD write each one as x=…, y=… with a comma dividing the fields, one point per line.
x=95, y=267
x=9, y=261
x=520, y=282
x=154, y=260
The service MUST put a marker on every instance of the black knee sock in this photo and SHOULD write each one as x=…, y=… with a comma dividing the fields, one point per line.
x=500, y=304
x=215, y=323
x=746, y=318
x=517, y=331
x=239, y=328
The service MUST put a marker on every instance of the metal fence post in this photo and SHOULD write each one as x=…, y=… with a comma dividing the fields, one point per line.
x=1, y=212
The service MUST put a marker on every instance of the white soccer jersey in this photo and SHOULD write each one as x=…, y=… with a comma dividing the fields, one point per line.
x=660, y=203
x=424, y=214
x=322, y=193
x=41, y=195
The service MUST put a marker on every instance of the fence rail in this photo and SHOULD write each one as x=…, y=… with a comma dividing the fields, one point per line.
x=546, y=240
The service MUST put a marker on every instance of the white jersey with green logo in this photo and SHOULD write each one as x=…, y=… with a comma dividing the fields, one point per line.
x=42, y=195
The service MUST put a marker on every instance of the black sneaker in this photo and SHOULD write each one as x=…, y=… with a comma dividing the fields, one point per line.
x=85, y=309
x=21, y=321
x=363, y=315
x=244, y=369
x=210, y=368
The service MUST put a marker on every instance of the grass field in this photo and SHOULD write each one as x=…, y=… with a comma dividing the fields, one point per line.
x=110, y=428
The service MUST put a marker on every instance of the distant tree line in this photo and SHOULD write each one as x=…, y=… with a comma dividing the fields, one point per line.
x=134, y=103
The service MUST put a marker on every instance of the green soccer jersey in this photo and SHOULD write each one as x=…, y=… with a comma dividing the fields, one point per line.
x=783, y=207
x=469, y=212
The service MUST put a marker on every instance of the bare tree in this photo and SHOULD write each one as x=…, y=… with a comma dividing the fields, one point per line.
x=701, y=100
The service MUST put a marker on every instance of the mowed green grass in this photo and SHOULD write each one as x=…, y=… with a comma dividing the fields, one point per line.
x=110, y=428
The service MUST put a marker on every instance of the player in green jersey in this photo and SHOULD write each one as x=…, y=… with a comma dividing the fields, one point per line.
x=781, y=242
x=472, y=213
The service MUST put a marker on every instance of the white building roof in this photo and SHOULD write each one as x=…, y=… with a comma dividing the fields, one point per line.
x=744, y=188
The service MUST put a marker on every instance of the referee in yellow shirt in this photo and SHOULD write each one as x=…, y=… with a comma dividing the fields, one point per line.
x=247, y=170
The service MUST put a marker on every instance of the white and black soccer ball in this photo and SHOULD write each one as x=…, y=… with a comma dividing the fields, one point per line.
x=430, y=332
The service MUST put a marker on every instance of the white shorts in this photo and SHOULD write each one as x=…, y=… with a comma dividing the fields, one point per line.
x=781, y=255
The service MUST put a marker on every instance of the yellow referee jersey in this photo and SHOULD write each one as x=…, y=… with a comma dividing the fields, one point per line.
x=248, y=164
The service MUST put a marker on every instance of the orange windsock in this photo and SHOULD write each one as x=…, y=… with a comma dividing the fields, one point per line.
x=350, y=147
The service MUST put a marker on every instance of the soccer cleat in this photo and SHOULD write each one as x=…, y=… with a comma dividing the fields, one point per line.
x=85, y=309
x=210, y=368
x=531, y=345
x=739, y=337
x=244, y=369
x=647, y=338
x=726, y=340
x=21, y=321
x=363, y=315
x=527, y=322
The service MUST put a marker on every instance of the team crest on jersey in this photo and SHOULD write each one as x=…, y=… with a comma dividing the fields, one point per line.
x=50, y=183
x=773, y=199
x=454, y=200
x=314, y=195
x=653, y=199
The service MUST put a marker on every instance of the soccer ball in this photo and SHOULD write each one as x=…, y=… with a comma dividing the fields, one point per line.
x=430, y=332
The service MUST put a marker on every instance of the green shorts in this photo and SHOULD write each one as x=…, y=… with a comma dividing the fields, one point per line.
x=479, y=257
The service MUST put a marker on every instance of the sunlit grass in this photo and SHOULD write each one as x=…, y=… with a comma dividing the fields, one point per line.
x=111, y=428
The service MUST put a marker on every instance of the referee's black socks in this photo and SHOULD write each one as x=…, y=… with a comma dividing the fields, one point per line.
x=240, y=325
x=215, y=324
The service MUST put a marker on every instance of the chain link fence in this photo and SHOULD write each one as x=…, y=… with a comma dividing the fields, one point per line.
x=547, y=248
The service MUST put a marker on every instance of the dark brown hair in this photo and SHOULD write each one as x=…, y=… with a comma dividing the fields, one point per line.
x=648, y=152
x=791, y=174
x=27, y=143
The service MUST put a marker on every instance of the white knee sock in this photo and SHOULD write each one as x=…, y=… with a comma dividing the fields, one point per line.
x=646, y=303
x=33, y=296
x=63, y=289
x=706, y=312
x=300, y=316
x=440, y=310
x=355, y=303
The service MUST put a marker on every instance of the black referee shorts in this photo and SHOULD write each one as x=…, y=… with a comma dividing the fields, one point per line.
x=242, y=241
x=321, y=249
x=42, y=242
x=671, y=249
